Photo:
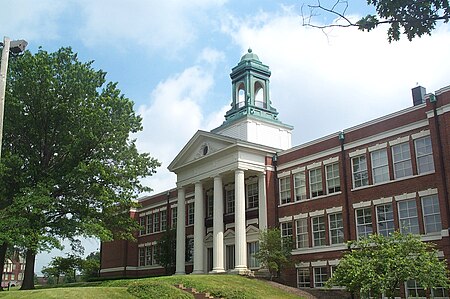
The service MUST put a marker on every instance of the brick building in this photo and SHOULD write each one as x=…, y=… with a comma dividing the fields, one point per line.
x=13, y=271
x=391, y=173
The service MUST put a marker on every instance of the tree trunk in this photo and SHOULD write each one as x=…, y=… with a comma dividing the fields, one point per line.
x=3, y=249
x=28, y=277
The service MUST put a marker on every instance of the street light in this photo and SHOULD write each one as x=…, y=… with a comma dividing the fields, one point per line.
x=15, y=47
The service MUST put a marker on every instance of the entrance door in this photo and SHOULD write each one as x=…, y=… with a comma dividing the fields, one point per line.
x=230, y=257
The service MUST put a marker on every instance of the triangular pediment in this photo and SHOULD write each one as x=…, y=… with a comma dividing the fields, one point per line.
x=201, y=145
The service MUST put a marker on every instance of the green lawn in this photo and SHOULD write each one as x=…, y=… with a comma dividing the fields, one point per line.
x=225, y=286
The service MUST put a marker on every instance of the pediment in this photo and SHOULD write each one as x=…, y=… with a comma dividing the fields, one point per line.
x=201, y=145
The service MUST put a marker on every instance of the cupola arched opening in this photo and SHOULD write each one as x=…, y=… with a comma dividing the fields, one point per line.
x=259, y=95
x=240, y=95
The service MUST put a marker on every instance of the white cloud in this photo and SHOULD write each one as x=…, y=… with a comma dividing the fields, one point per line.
x=166, y=26
x=174, y=115
x=331, y=83
x=25, y=19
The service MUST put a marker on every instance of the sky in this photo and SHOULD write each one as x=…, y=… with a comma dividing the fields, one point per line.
x=173, y=59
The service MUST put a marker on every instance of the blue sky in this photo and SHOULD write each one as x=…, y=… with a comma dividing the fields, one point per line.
x=173, y=59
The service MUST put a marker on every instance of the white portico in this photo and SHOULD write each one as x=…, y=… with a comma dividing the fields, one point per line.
x=225, y=172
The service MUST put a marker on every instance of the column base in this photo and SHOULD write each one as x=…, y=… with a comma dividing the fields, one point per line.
x=180, y=273
x=217, y=271
x=197, y=272
x=241, y=271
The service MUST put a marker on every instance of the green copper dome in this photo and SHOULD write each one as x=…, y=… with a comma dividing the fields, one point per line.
x=250, y=56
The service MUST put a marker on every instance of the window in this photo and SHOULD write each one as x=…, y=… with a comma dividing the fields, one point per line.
x=407, y=217
x=210, y=204
x=360, y=175
x=302, y=233
x=148, y=255
x=189, y=254
x=190, y=208
x=142, y=226
x=174, y=217
x=300, y=186
x=320, y=276
x=414, y=290
x=401, y=157
x=424, y=155
x=315, y=182
x=163, y=220
x=229, y=199
x=285, y=190
x=336, y=228
x=303, y=278
x=431, y=214
x=252, y=195
x=141, y=256
x=318, y=230
x=149, y=227
x=385, y=219
x=252, y=248
x=380, y=168
x=229, y=257
x=363, y=222
x=286, y=230
x=333, y=180
x=156, y=222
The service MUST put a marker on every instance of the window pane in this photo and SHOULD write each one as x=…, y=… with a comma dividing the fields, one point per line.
x=401, y=156
x=315, y=182
x=380, y=168
x=363, y=222
x=385, y=217
x=333, y=180
x=303, y=278
x=300, y=186
x=302, y=233
x=252, y=195
x=431, y=214
x=318, y=230
x=408, y=220
x=424, y=155
x=360, y=175
x=336, y=228
x=285, y=190
x=320, y=276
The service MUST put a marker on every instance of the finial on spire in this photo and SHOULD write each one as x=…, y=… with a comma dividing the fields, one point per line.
x=250, y=50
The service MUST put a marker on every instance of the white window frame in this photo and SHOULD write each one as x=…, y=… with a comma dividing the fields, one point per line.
x=141, y=257
x=433, y=213
x=401, y=158
x=305, y=283
x=382, y=212
x=142, y=225
x=408, y=208
x=300, y=186
x=286, y=229
x=336, y=228
x=285, y=190
x=174, y=216
x=368, y=225
x=333, y=181
x=252, y=195
x=318, y=229
x=210, y=204
x=230, y=201
x=362, y=173
x=252, y=249
x=149, y=224
x=380, y=162
x=301, y=230
x=315, y=182
x=148, y=255
x=190, y=214
x=424, y=153
x=163, y=220
x=156, y=222
x=320, y=283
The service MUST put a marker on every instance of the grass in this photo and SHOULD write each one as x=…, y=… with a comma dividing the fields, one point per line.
x=225, y=286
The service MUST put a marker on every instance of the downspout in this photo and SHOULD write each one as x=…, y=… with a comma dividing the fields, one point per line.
x=344, y=189
x=277, y=194
x=433, y=101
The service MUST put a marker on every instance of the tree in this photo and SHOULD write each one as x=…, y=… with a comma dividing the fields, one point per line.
x=90, y=266
x=69, y=166
x=274, y=251
x=166, y=254
x=412, y=18
x=66, y=266
x=379, y=264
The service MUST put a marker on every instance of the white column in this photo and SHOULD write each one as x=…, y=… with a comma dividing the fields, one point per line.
x=262, y=205
x=199, y=229
x=181, y=232
x=218, y=257
x=239, y=220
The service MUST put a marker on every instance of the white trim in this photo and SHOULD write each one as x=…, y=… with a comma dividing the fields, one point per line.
x=399, y=140
x=314, y=165
x=106, y=270
x=382, y=200
x=318, y=263
x=377, y=146
x=301, y=216
x=334, y=210
x=299, y=169
x=334, y=262
x=285, y=219
x=440, y=254
x=444, y=233
x=359, y=152
x=331, y=160
x=317, y=213
x=252, y=221
x=309, y=158
x=362, y=204
x=190, y=201
x=442, y=90
x=309, y=250
x=302, y=265
x=428, y=192
x=405, y=196
x=421, y=134
x=431, y=237
x=284, y=174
